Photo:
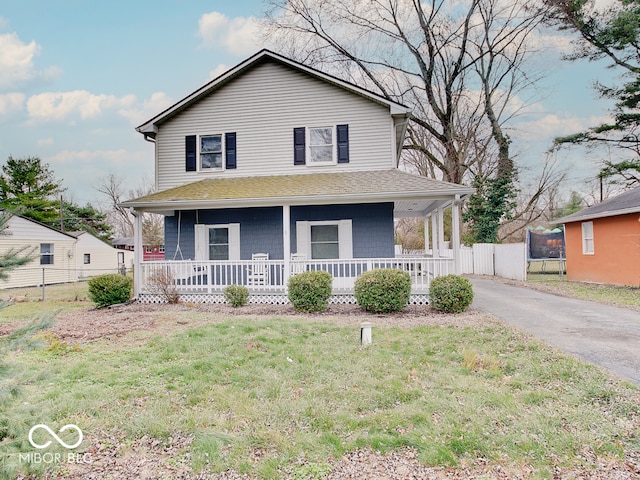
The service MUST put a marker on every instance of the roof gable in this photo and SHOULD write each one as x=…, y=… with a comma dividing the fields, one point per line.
x=21, y=227
x=623, y=204
x=149, y=128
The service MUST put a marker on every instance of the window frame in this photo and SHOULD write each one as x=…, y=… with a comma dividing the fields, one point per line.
x=334, y=146
x=86, y=258
x=588, y=238
x=49, y=255
x=345, y=238
x=222, y=153
x=201, y=241
x=335, y=242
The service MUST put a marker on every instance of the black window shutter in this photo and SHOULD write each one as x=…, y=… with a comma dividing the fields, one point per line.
x=298, y=146
x=230, y=149
x=190, y=145
x=343, y=143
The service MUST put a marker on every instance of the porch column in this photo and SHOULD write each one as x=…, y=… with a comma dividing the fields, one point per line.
x=426, y=234
x=286, y=239
x=455, y=234
x=441, y=229
x=137, y=253
x=434, y=236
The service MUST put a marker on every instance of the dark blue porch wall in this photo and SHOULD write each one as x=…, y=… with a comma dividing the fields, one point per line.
x=260, y=230
x=372, y=226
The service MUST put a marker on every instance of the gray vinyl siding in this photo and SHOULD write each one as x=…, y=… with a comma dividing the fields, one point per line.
x=261, y=229
x=263, y=106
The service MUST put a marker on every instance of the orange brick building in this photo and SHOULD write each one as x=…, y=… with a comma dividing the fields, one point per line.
x=603, y=241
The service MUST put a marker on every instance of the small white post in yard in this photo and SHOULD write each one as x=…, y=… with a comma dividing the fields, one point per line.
x=365, y=333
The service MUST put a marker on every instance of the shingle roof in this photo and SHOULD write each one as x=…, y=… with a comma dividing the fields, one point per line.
x=342, y=187
x=628, y=202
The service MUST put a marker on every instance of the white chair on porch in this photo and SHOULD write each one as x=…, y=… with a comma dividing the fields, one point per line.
x=259, y=270
x=297, y=263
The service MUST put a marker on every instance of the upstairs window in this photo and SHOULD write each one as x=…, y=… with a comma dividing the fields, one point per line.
x=87, y=258
x=46, y=254
x=321, y=145
x=206, y=153
x=210, y=152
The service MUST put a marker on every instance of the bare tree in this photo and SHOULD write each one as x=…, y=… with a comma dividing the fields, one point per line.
x=113, y=188
x=460, y=65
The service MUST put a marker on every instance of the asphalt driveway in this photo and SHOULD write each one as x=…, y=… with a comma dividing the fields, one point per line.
x=603, y=335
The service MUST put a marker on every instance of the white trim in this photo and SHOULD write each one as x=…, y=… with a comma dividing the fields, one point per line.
x=223, y=156
x=345, y=237
x=588, y=243
x=201, y=239
x=334, y=146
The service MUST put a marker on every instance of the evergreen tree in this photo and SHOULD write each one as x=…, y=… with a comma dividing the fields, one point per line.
x=613, y=34
x=28, y=184
x=87, y=218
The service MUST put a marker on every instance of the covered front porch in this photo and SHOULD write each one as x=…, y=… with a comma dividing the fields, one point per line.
x=269, y=224
x=204, y=282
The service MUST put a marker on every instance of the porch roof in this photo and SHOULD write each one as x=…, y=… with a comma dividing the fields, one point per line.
x=413, y=195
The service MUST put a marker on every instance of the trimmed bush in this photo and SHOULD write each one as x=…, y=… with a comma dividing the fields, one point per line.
x=310, y=291
x=450, y=294
x=383, y=290
x=110, y=289
x=236, y=295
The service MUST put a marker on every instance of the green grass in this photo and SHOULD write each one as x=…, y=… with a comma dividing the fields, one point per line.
x=62, y=297
x=262, y=395
x=612, y=294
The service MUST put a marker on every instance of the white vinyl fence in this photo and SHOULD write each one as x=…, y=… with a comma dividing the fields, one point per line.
x=502, y=260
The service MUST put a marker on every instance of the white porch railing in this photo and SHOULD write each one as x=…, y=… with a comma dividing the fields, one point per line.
x=264, y=277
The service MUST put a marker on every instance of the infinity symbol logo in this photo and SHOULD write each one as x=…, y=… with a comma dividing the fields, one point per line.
x=56, y=437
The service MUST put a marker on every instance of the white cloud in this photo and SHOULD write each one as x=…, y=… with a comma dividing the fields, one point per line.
x=239, y=35
x=71, y=105
x=82, y=157
x=556, y=125
x=16, y=62
x=45, y=142
x=219, y=70
x=11, y=102
x=158, y=102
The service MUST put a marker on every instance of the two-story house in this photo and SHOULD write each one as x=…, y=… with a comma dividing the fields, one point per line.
x=274, y=168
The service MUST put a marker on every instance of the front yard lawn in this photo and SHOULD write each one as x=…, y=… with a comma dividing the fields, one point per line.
x=287, y=396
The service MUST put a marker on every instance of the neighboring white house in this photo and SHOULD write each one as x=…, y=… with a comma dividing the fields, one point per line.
x=54, y=253
x=94, y=257
x=58, y=257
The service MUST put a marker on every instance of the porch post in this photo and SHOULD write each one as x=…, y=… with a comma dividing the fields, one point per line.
x=441, y=228
x=286, y=239
x=434, y=236
x=455, y=234
x=426, y=234
x=137, y=253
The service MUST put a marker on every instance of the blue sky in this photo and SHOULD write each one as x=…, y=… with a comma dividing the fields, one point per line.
x=76, y=78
